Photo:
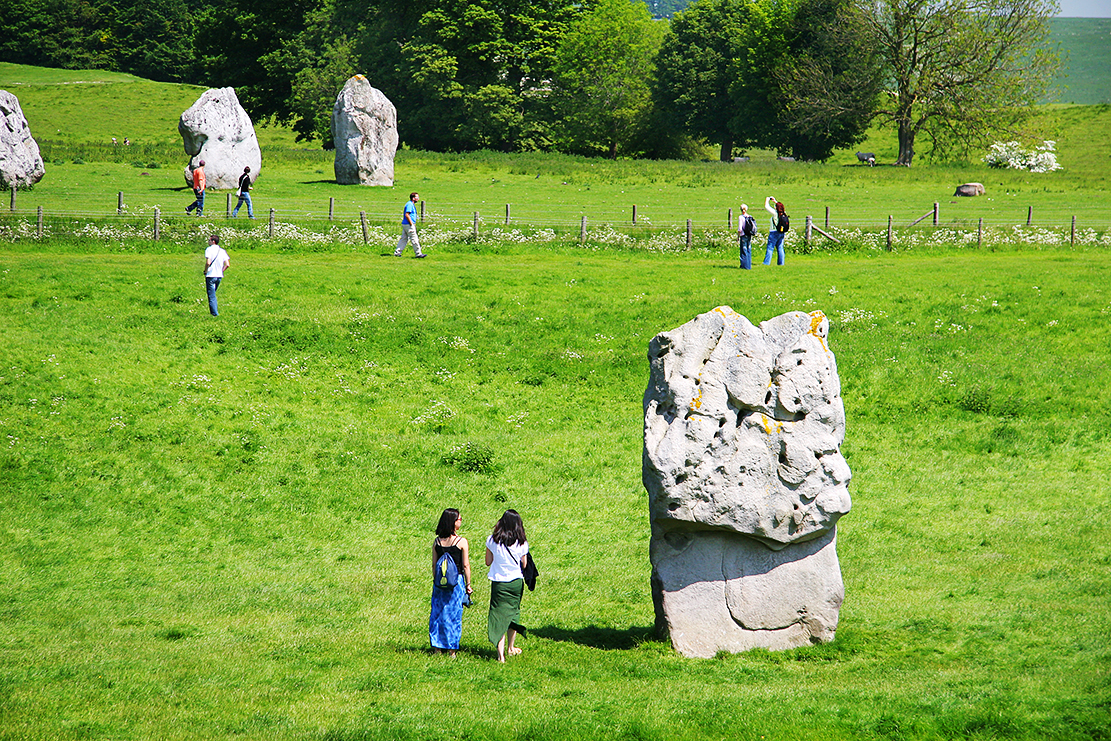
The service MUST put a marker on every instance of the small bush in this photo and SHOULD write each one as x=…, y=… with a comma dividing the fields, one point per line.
x=78, y=161
x=473, y=457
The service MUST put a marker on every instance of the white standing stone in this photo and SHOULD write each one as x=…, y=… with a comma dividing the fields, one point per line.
x=20, y=162
x=364, y=129
x=217, y=130
x=742, y=433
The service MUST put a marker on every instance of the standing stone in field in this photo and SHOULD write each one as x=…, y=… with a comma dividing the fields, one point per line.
x=217, y=130
x=364, y=128
x=742, y=464
x=20, y=162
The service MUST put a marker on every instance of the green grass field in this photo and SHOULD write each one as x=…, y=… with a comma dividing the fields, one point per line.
x=220, y=528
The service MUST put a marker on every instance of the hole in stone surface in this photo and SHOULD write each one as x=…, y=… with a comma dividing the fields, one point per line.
x=673, y=506
x=768, y=398
x=681, y=478
x=798, y=362
x=783, y=459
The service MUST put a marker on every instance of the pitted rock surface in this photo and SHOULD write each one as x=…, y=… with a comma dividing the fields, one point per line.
x=742, y=433
x=21, y=164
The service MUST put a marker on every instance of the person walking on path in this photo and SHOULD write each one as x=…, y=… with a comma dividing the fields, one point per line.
x=244, y=194
x=445, y=623
x=746, y=232
x=216, y=261
x=198, y=190
x=506, y=550
x=780, y=223
x=409, y=227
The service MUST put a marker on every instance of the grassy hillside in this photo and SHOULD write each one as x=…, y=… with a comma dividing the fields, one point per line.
x=1086, y=43
x=219, y=529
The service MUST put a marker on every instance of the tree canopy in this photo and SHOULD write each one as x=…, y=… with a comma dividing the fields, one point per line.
x=960, y=71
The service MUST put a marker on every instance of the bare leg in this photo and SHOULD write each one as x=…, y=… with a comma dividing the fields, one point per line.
x=501, y=649
x=512, y=636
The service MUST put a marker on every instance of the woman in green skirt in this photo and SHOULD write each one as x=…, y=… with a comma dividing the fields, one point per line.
x=505, y=555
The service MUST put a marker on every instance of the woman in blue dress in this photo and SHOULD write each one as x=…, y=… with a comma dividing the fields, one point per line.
x=445, y=625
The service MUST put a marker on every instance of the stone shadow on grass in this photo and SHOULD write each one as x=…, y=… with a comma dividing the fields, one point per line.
x=596, y=637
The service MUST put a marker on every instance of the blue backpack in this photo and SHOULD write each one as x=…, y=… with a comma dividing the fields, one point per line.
x=445, y=574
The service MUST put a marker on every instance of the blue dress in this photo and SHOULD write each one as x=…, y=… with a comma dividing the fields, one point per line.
x=445, y=624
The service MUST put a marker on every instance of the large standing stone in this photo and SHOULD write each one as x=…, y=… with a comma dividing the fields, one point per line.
x=217, y=130
x=364, y=129
x=20, y=162
x=742, y=433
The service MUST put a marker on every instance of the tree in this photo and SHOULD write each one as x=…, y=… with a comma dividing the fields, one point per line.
x=828, y=82
x=961, y=71
x=602, y=70
x=696, y=66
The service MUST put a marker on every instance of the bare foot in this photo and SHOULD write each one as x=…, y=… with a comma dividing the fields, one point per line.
x=514, y=651
x=452, y=654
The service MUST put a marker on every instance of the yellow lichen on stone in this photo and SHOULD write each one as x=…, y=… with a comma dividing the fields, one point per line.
x=816, y=319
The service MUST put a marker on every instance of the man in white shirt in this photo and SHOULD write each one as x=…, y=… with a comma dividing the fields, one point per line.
x=216, y=261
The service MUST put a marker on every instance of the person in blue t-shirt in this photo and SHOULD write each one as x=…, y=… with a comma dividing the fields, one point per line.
x=409, y=227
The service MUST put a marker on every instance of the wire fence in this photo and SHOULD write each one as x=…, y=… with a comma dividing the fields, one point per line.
x=821, y=227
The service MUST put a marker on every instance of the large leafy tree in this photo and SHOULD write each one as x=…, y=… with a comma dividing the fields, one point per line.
x=827, y=84
x=960, y=71
x=697, y=65
x=600, y=87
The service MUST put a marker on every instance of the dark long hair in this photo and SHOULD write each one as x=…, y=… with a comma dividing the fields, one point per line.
x=445, y=528
x=510, y=529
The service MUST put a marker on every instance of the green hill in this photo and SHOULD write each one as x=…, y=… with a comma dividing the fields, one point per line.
x=1086, y=51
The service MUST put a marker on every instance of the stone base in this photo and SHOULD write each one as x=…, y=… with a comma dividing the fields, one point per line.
x=716, y=591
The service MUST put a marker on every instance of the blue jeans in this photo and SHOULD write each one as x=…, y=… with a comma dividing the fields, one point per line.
x=775, y=242
x=211, y=284
x=746, y=252
x=244, y=197
x=197, y=204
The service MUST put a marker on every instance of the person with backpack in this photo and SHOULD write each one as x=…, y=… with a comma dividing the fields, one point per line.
x=779, y=225
x=451, y=583
x=746, y=231
x=506, y=555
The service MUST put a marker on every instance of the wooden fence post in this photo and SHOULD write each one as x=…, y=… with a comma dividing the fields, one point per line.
x=809, y=230
x=362, y=220
x=827, y=217
x=422, y=212
x=729, y=220
x=690, y=235
x=331, y=208
x=227, y=207
x=157, y=224
x=475, y=231
x=980, y=233
x=271, y=231
x=890, y=221
x=119, y=203
x=634, y=213
x=937, y=212
x=1072, y=235
x=40, y=222
x=507, y=214
x=582, y=230
x=13, y=200
x=1029, y=215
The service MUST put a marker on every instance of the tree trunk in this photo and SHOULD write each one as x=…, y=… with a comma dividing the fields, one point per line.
x=906, y=144
x=727, y=150
x=613, y=149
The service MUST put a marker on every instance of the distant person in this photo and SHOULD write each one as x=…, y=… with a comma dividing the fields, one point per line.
x=747, y=230
x=409, y=227
x=114, y=142
x=126, y=142
x=445, y=623
x=244, y=194
x=198, y=190
x=216, y=261
x=780, y=223
x=506, y=553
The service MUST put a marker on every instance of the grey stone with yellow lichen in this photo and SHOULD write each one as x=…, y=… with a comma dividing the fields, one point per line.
x=742, y=433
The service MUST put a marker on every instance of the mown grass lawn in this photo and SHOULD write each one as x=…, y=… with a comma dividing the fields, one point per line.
x=219, y=528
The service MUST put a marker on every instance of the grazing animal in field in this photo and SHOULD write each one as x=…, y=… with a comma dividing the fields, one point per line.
x=867, y=158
